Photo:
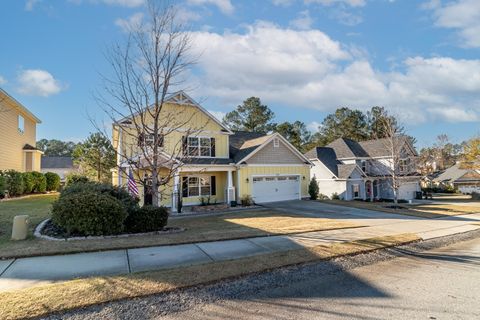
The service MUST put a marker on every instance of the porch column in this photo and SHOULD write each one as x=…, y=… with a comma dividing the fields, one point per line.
x=378, y=189
x=230, y=187
x=176, y=189
x=120, y=173
x=371, y=191
x=365, y=190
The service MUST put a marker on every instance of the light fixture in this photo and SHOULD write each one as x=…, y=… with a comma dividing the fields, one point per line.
x=247, y=180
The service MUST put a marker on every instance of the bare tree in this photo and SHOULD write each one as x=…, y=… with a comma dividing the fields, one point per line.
x=146, y=69
x=400, y=162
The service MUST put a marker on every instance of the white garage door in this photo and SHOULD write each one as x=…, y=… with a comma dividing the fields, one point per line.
x=279, y=188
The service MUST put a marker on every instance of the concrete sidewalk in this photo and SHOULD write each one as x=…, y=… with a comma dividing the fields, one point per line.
x=27, y=272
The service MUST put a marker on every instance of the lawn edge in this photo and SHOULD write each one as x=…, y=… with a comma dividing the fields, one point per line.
x=26, y=300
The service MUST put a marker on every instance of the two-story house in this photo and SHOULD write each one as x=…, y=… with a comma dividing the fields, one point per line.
x=18, y=128
x=210, y=160
x=363, y=170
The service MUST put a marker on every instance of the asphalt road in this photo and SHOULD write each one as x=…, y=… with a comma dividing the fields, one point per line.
x=438, y=284
x=408, y=282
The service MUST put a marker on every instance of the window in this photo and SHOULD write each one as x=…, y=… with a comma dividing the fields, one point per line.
x=364, y=165
x=355, y=190
x=200, y=147
x=276, y=143
x=282, y=178
x=21, y=124
x=198, y=186
x=256, y=179
x=404, y=165
x=294, y=178
x=148, y=139
x=269, y=179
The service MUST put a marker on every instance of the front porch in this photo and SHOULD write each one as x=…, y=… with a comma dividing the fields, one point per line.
x=193, y=185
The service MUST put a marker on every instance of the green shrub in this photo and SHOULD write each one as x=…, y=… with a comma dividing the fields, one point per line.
x=313, y=189
x=89, y=213
x=146, y=219
x=119, y=193
x=28, y=182
x=3, y=186
x=75, y=178
x=53, y=181
x=40, y=182
x=335, y=196
x=14, y=182
x=322, y=196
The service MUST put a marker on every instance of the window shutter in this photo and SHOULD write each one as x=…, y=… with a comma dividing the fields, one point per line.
x=213, y=186
x=184, y=187
x=161, y=140
x=141, y=139
x=212, y=144
x=184, y=145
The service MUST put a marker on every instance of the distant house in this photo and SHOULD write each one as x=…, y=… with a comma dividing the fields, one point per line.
x=59, y=165
x=18, y=128
x=357, y=170
x=464, y=180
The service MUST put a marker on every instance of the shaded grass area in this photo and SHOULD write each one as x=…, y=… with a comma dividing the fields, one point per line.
x=238, y=225
x=38, y=301
x=429, y=211
x=37, y=207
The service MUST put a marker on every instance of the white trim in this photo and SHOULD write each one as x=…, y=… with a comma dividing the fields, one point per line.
x=277, y=165
x=212, y=168
x=333, y=174
x=266, y=142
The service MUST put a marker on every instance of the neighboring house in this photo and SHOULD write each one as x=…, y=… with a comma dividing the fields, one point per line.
x=357, y=170
x=463, y=179
x=59, y=165
x=17, y=136
x=429, y=180
x=216, y=162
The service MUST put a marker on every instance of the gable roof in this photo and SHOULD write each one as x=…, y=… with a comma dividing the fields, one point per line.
x=327, y=156
x=56, y=162
x=243, y=148
x=452, y=174
x=469, y=176
x=378, y=147
x=181, y=98
x=20, y=106
x=346, y=170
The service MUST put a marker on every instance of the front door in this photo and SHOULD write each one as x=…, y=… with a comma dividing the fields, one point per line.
x=147, y=192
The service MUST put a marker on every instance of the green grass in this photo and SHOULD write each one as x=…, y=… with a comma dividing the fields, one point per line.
x=37, y=207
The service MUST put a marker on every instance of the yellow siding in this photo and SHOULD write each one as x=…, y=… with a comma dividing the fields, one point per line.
x=185, y=119
x=245, y=188
x=11, y=140
x=221, y=185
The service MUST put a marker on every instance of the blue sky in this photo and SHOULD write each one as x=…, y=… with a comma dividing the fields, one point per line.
x=303, y=58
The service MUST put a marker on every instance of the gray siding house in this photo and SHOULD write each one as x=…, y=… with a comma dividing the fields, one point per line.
x=360, y=170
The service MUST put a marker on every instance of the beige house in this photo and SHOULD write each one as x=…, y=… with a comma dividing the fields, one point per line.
x=18, y=133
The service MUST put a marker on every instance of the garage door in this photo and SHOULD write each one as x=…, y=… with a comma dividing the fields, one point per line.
x=280, y=188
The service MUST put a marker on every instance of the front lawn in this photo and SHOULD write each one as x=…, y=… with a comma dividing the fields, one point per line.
x=238, y=225
x=427, y=210
x=37, y=207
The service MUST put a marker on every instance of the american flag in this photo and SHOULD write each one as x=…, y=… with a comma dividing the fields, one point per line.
x=132, y=185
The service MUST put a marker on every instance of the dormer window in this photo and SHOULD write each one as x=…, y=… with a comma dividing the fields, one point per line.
x=276, y=143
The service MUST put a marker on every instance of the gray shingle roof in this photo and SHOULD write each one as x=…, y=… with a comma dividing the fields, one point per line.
x=327, y=156
x=346, y=148
x=452, y=174
x=242, y=143
x=56, y=162
x=345, y=170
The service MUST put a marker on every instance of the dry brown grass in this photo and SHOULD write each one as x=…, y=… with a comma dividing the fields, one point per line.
x=38, y=301
x=238, y=225
x=428, y=211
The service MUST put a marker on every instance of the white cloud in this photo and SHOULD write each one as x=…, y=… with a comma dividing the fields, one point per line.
x=2, y=80
x=313, y=126
x=131, y=23
x=30, y=4
x=352, y=3
x=186, y=16
x=224, y=6
x=283, y=3
x=303, y=21
x=308, y=69
x=346, y=17
x=38, y=83
x=461, y=15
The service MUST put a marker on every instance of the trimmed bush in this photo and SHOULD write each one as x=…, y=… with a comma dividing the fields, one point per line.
x=119, y=193
x=3, y=186
x=14, y=182
x=28, y=182
x=89, y=213
x=40, y=182
x=475, y=195
x=146, y=219
x=53, y=181
x=246, y=200
x=75, y=178
x=313, y=189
